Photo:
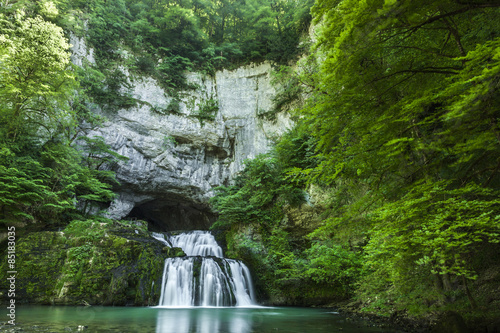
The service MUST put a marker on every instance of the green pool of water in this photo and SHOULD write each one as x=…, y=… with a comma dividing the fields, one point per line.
x=185, y=320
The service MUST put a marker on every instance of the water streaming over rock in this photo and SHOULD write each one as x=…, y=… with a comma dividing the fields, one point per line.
x=197, y=243
x=204, y=277
x=161, y=238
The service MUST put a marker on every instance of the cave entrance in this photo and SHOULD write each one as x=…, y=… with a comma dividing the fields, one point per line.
x=164, y=215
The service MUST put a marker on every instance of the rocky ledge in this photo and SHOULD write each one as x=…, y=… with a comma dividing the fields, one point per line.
x=89, y=263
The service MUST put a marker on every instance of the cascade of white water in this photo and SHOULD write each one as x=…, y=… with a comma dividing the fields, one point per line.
x=161, y=238
x=215, y=288
x=177, y=286
x=242, y=283
x=197, y=243
x=204, y=277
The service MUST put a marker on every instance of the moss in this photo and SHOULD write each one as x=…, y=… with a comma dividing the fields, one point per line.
x=172, y=252
x=119, y=242
x=113, y=266
x=33, y=254
x=261, y=252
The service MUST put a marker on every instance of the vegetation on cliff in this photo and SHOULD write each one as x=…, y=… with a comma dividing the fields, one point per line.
x=44, y=175
x=400, y=128
x=163, y=39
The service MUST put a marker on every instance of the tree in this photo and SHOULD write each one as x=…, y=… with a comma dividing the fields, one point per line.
x=396, y=87
x=42, y=175
x=36, y=80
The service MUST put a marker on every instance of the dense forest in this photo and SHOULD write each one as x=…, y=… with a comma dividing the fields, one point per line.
x=398, y=129
x=396, y=107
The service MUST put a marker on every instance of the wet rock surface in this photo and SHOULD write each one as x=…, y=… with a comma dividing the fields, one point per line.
x=122, y=265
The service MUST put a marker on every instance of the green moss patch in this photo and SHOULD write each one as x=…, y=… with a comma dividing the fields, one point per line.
x=90, y=262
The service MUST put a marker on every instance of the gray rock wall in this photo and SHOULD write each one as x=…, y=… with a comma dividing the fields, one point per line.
x=178, y=159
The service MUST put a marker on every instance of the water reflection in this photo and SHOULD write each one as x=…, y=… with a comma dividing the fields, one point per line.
x=240, y=325
x=203, y=321
x=37, y=319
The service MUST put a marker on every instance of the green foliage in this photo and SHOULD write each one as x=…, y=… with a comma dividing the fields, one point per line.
x=437, y=227
x=47, y=185
x=108, y=27
x=145, y=64
x=166, y=38
x=163, y=39
x=25, y=191
x=400, y=127
x=257, y=197
x=296, y=151
x=42, y=175
x=207, y=110
x=288, y=94
x=109, y=92
x=401, y=124
x=36, y=78
x=258, y=201
x=403, y=107
x=332, y=264
x=290, y=89
x=171, y=71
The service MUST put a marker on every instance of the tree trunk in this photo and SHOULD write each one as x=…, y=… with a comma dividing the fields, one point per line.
x=472, y=301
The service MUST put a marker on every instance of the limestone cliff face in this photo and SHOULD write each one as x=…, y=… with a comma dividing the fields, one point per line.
x=175, y=160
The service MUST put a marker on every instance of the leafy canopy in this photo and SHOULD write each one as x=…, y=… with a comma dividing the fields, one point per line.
x=43, y=177
x=404, y=106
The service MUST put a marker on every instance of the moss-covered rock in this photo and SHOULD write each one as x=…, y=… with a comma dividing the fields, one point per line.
x=89, y=263
x=450, y=322
x=261, y=253
x=173, y=252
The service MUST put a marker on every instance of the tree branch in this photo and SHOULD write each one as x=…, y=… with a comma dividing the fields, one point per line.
x=435, y=70
x=420, y=49
x=456, y=12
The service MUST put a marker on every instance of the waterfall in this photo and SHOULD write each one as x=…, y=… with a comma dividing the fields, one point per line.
x=197, y=243
x=160, y=237
x=177, y=285
x=204, y=277
x=243, y=288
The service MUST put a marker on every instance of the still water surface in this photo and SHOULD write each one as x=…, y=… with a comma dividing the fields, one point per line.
x=186, y=320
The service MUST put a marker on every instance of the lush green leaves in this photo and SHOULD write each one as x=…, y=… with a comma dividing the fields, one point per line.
x=257, y=196
x=332, y=264
x=437, y=227
x=43, y=177
x=35, y=78
x=169, y=37
x=401, y=126
x=404, y=108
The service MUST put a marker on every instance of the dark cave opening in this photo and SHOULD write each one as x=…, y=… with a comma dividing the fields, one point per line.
x=167, y=215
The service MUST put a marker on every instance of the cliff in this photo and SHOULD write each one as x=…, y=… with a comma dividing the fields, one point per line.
x=176, y=159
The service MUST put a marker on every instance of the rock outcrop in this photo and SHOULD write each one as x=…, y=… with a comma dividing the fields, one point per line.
x=177, y=159
x=99, y=264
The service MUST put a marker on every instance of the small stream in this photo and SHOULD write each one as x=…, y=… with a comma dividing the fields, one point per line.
x=185, y=320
